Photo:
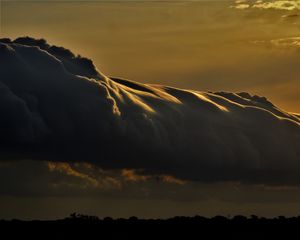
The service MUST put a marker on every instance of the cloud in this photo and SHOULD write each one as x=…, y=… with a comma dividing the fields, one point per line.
x=61, y=179
x=289, y=43
x=68, y=170
x=57, y=107
x=290, y=16
x=288, y=5
x=293, y=42
x=130, y=175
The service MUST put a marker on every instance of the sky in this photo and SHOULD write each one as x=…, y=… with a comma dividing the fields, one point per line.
x=231, y=46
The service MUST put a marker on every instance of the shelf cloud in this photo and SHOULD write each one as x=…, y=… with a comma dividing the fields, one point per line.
x=56, y=106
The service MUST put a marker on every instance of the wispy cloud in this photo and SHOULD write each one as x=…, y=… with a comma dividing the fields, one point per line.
x=293, y=42
x=263, y=4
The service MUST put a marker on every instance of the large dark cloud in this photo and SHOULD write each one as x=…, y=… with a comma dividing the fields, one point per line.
x=56, y=106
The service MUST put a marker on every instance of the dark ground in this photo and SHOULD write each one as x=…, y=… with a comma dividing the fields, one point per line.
x=87, y=227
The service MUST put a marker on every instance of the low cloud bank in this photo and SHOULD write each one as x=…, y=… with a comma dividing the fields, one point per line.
x=57, y=106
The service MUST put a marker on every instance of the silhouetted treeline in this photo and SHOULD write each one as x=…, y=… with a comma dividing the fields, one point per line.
x=83, y=226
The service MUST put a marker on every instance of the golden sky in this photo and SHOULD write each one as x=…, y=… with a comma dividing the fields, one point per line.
x=203, y=45
x=234, y=46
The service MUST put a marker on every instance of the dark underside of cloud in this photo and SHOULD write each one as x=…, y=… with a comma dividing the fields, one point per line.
x=57, y=106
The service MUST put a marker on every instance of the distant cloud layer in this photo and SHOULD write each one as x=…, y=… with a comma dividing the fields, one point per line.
x=56, y=106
